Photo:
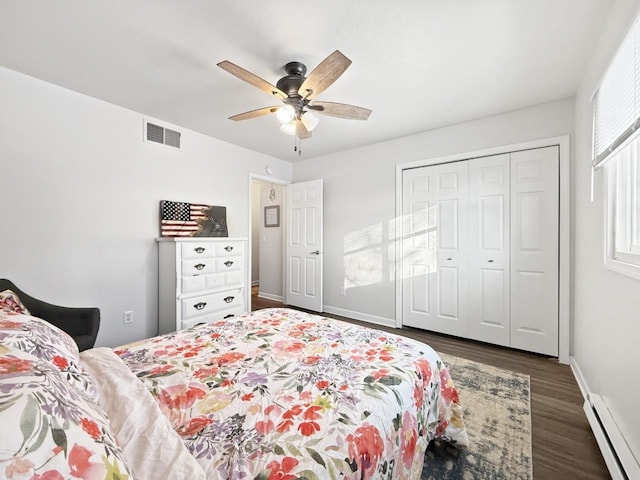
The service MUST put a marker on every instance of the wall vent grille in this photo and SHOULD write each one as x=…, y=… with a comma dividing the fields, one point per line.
x=165, y=136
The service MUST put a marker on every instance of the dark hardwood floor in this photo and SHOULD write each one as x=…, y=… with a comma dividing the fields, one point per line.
x=563, y=443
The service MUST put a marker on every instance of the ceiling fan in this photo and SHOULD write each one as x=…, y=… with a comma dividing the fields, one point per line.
x=298, y=92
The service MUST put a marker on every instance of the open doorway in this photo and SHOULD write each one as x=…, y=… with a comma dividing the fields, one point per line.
x=267, y=237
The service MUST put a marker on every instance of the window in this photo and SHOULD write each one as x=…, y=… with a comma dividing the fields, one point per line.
x=616, y=148
x=623, y=208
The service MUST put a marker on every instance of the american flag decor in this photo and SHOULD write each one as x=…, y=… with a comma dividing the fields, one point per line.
x=181, y=219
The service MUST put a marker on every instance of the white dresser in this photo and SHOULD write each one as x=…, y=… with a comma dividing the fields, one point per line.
x=200, y=280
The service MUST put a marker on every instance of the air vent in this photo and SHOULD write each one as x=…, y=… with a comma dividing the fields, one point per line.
x=165, y=136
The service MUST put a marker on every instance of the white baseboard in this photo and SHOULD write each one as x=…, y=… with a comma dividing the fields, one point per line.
x=598, y=421
x=270, y=296
x=619, y=458
x=582, y=383
x=365, y=317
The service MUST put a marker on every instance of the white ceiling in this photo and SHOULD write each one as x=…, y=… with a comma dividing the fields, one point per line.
x=418, y=64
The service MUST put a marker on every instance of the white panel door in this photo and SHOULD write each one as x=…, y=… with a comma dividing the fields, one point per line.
x=434, y=210
x=534, y=250
x=489, y=185
x=303, y=248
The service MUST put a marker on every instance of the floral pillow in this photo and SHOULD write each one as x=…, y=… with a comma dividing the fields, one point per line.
x=9, y=302
x=51, y=431
x=33, y=336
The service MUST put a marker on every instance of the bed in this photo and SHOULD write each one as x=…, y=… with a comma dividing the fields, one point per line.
x=273, y=394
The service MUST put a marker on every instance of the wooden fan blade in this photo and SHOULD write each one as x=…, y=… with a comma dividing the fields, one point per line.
x=301, y=130
x=324, y=75
x=254, y=113
x=341, y=110
x=251, y=79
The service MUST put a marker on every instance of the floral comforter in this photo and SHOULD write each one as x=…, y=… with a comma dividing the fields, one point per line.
x=283, y=394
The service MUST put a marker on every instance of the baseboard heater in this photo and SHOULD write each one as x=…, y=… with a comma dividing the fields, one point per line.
x=620, y=460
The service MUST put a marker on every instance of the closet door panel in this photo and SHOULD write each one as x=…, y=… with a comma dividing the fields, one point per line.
x=534, y=250
x=489, y=217
x=434, y=257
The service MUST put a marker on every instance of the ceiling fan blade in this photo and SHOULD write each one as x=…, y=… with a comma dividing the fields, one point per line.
x=254, y=113
x=341, y=110
x=324, y=75
x=301, y=130
x=251, y=79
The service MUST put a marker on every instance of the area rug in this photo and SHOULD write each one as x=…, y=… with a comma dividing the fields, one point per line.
x=497, y=413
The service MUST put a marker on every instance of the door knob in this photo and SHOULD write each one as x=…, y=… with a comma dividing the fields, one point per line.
x=316, y=252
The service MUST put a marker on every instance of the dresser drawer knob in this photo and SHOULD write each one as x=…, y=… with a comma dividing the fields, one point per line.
x=231, y=315
x=200, y=305
x=199, y=266
x=199, y=249
x=228, y=248
x=228, y=263
x=229, y=299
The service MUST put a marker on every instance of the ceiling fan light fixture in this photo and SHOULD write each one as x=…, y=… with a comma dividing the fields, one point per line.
x=285, y=114
x=310, y=120
x=289, y=128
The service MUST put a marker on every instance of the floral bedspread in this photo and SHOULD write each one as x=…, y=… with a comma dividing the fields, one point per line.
x=280, y=394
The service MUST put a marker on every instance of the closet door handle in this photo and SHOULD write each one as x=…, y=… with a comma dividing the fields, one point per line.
x=229, y=299
x=228, y=263
x=199, y=266
x=200, y=305
x=490, y=261
x=449, y=259
x=228, y=248
x=231, y=315
x=199, y=249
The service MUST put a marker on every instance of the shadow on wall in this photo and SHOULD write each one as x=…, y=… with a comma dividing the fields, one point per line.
x=369, y=253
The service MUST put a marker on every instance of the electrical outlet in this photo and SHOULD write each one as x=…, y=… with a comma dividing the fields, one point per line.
x=127, y=317
x=343, y=292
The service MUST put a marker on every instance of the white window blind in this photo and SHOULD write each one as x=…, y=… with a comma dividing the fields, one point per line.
x=617, y=102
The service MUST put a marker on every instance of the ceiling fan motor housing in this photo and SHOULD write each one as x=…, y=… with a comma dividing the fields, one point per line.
x=291, y=82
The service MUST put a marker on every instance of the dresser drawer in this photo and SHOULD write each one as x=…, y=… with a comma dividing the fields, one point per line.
x=229, y=248
x=206, y=304
x=213, y=317
x=229, y=264
x=198, y=250
x=196, y=283
x=200, y=266
x=234, y=278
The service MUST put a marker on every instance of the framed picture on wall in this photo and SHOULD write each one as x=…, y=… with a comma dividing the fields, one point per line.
x=272, y=216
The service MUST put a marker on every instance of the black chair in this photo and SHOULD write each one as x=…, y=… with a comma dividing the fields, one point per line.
x=80, y=323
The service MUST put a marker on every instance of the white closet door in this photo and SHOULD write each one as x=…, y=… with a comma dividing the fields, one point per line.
x=534, y=250
x=435, y=259
x=489, y=283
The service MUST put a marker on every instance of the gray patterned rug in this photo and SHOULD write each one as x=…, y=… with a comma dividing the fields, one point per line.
x=497, y=413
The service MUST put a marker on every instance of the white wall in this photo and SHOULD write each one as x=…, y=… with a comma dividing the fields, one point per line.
x=255, y=232
x=271, y=246
x=359, y=200
x=606, y=304
x=80, y=197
